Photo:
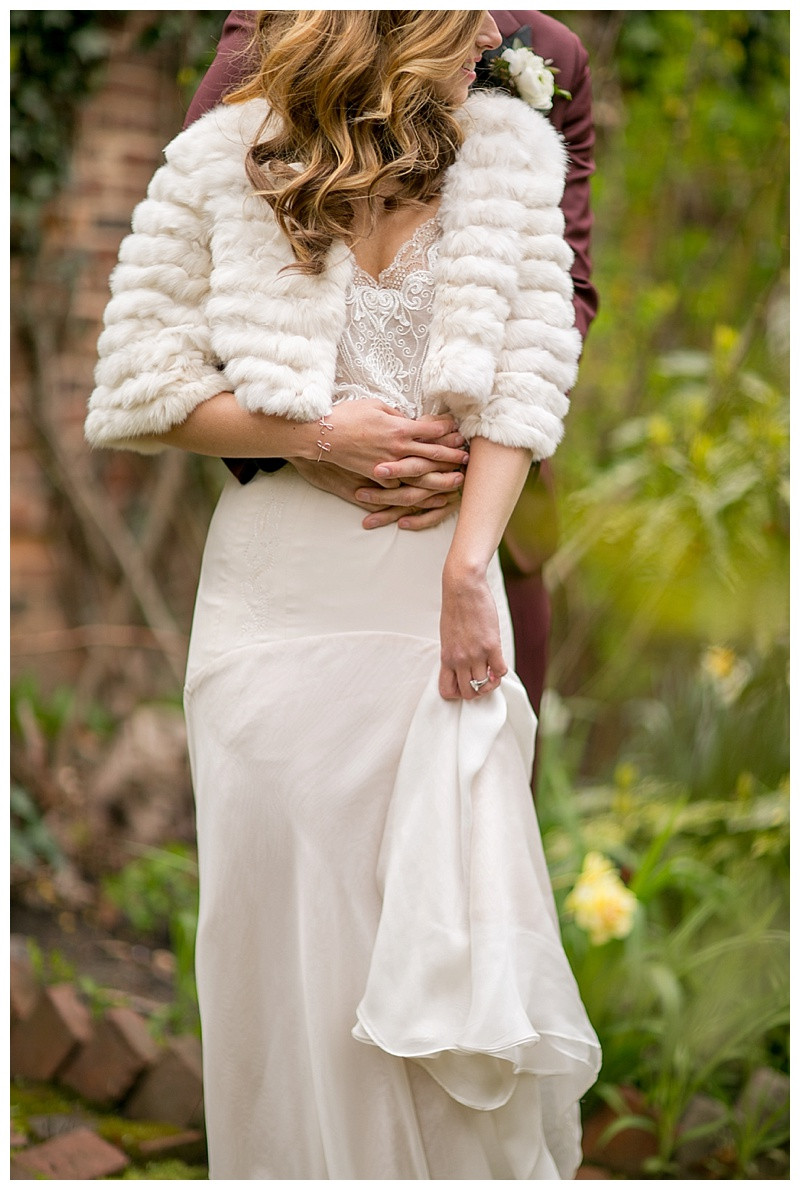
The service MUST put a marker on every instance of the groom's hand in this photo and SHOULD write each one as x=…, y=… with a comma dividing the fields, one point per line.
x=428, y=499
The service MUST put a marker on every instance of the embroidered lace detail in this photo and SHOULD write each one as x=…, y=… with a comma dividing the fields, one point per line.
x=385, y=339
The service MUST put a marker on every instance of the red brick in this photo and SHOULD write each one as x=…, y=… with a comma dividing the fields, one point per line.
x=173, y=1090
x=29, y=514
x=24, y=987
x=78, y=1156
x=47, y=1038
x=32, y=557
x=625, y=1151
x=119, y=141
x=105, y=1069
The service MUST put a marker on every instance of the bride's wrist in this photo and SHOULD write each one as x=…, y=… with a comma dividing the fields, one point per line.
x=462, y=571
x=312, y=441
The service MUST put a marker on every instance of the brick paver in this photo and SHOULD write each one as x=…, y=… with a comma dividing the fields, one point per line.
x=76, y=1156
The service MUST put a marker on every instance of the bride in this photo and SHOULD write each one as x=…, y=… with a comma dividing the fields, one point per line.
x=357, y=262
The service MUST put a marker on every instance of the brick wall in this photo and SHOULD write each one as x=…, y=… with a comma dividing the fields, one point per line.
x=122, y=130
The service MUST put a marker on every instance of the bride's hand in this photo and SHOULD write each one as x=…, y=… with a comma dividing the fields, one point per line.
x=368, y=436
x=470, y=637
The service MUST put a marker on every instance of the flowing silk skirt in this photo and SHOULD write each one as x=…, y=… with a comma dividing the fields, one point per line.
x=382, y=987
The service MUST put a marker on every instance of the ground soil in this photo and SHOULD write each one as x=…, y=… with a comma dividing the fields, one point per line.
x=111, y=959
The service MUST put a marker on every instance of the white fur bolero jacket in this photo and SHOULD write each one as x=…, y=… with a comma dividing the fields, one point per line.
x=200, y=306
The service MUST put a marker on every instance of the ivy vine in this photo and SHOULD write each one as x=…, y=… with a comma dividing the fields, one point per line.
x=57, y=61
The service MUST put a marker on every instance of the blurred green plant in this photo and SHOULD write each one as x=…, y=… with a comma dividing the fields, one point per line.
x=53, y=967
x=37, y=720
x=682, y=534
x=50, y=967
x=57, y=56
x=45, y=712
x=165, y=1171
x=695, y=997
x=194, y=33
x=31, y=843
x=718, y=728
x=158, y=894
x=57, y=61
x=668, y=748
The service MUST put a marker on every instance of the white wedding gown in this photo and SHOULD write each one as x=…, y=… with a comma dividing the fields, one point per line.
x=382, y=986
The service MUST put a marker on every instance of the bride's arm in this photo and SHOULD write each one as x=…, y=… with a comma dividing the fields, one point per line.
x=469, y=628
x=361, y=436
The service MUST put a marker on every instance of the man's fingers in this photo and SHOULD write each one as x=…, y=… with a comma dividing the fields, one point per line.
x=412, y=520
x=440, y=481
x=455, y=440
x=411, y=467
x=406, y=496
x=427, y=520
x=382, y=517
x=431, y=427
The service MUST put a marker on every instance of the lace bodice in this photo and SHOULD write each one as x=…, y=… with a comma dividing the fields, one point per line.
x=385, y=339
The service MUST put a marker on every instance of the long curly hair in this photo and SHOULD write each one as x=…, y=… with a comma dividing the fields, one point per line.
x=358, y=115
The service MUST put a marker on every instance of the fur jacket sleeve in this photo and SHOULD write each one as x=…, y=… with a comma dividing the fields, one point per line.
x=200, y=304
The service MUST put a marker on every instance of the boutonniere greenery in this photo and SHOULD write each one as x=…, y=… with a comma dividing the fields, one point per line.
x=527, y=75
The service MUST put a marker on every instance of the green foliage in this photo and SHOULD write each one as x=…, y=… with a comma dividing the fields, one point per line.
x=164, y=1171
x=38, y=1099
x=158, y=894
x=52, y=967
x=696, y=997
x=712, y=739
x=56, y=61
x=704, y=156
x=37, y=720
x=692, y=502
x=31, y=842
x=194, y=34
x=674, y=469
x=47, y=713
x=160, y=882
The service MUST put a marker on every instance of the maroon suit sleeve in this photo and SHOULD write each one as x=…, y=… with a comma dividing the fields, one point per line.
x=578, y=130
x=527, y=595
x=573, y=118
x=229, y=68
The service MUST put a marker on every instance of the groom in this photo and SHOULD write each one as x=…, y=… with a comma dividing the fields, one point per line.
x=532, y=532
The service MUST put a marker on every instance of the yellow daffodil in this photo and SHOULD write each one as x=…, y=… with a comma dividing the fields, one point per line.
x=600, y=903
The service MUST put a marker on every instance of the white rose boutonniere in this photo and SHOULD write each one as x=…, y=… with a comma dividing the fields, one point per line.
x=532, y=78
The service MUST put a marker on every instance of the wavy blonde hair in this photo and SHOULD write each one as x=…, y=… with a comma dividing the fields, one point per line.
x=355, y=93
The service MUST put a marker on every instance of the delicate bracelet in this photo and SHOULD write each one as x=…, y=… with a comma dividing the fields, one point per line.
x=324, y=447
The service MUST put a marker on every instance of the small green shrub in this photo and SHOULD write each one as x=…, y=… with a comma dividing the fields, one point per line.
x=158, y=894
x=31, y=843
